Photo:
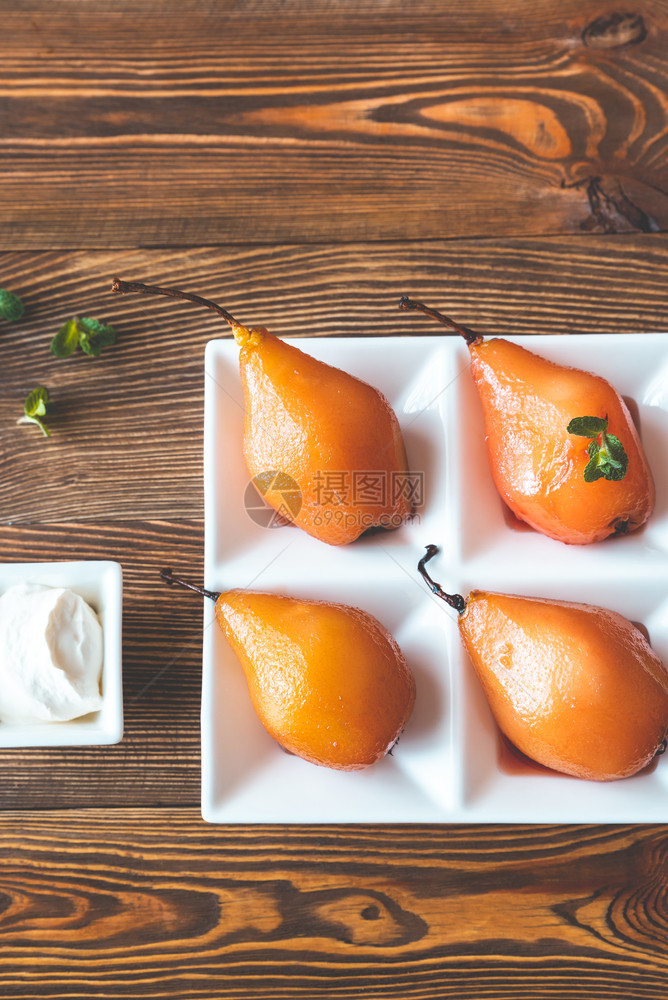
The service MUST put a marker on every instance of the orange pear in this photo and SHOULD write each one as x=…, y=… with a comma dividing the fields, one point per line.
x=333, y=436
x=563, y=450
x=575, y=687
x=327, y=681
x=323, y=448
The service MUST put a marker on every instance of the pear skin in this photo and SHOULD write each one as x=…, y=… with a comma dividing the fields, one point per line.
x=574, y=687
x=327, y=431
x=537, y=466
x=572, y=484
x=327, y=681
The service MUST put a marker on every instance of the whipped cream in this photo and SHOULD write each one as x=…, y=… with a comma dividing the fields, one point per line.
x=50, y=655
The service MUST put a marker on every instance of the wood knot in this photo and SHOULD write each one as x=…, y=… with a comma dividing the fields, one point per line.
x=361, y=917
x=612, y=31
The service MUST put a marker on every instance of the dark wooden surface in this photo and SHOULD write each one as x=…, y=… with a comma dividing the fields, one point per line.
x=188, y=122
x=164, y=906
x=304, y=164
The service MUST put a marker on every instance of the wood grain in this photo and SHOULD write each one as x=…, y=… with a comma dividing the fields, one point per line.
x=155, y=904
x=127, y=426
x=187, y=123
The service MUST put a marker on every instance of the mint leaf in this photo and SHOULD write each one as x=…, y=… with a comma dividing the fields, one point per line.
x=613, y=459
x=591, y=471
x=588, y=427
x=103, y=333
x=89, y=346
x=88, y=334
x=66, y=340
x=607, y=458
x=35, y=404
x=34, y=409
x=11, y=306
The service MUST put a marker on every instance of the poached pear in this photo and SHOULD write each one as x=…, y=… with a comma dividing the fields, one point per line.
x=574, y=687
x=563, y=450
x=326, y=431
x=324, y=448
x=327, y=681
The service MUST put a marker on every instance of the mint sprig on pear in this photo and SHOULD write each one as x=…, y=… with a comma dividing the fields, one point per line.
x=88, y=334
x=607, y=458
x=34, y=409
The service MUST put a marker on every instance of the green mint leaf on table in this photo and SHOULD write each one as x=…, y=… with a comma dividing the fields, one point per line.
x=89, y=346
x=102, y=332
x=35, y=404
x=34, y=409
x=88, y=334
x=66, y=340
x=11, y=307
x=607, y=458
x=93, y=336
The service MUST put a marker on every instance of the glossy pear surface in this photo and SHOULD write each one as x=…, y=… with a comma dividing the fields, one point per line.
x=324, y=429
x=574, y=687
x=537, y=466
x=327, y=681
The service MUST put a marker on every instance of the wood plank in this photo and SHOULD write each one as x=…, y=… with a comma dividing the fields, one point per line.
x=154, y=903
x=158, y=761
x=185, y=123
x=127, y=426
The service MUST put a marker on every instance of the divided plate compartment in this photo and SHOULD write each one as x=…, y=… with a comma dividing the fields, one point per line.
x=450, y=764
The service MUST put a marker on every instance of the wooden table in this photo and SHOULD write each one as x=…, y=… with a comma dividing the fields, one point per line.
x=304, y=162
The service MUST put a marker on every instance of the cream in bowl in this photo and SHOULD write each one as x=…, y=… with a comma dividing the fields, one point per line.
x=51, y=653
x=60, y=654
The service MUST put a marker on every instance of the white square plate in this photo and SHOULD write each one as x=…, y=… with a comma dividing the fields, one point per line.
x=450, y=764
x=100, y=585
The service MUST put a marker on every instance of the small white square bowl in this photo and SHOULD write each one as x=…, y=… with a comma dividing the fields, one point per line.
x=100, y=584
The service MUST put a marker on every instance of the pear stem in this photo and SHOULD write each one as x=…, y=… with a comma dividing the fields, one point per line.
x=123, y=287
x=469, y=335
x=168, y=576
x=455, y=601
